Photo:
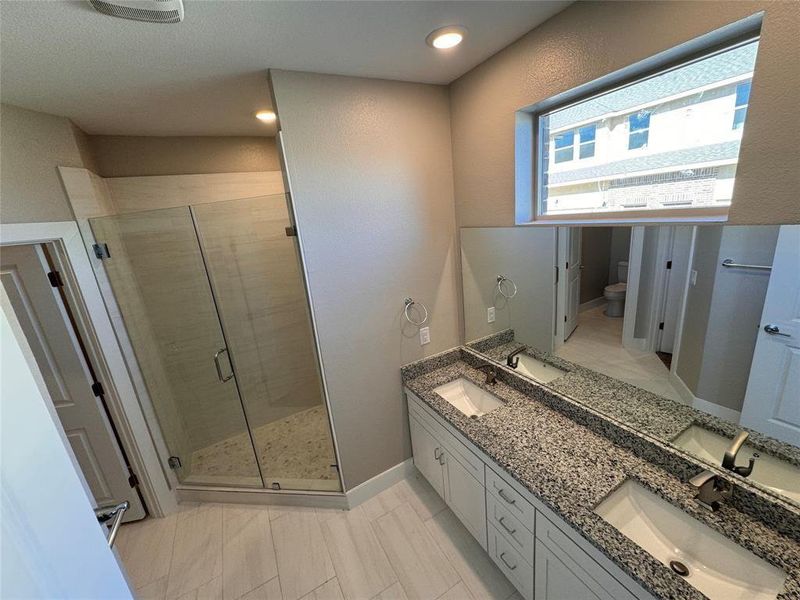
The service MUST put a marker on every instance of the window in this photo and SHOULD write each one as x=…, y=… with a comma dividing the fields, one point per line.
x=564, y=143
x=650, y=157
x=742, y=99
x=638, y=130
x=587, y=135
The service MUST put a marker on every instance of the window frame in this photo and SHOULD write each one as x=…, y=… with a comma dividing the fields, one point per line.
x=528, y=173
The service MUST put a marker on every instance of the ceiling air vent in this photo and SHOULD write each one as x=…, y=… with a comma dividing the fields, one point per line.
x=151, y=11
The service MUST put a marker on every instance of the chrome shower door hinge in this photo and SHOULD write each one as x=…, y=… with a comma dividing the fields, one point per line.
x=101, y=251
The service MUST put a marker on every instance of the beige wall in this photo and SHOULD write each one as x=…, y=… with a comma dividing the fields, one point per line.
x=589, y=40
x=371, y=173
x=130, y=156
x=32, y=146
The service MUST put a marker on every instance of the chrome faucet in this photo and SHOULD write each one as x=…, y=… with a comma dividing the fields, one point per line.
x=512, y=360
x=729, y=460
x=712, y=490
x=491, y=373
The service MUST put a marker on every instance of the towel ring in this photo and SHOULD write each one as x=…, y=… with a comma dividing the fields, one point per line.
x=501, y=279
x=409, y=302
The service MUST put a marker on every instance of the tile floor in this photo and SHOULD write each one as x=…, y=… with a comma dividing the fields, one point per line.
x=597, y=344
x=403, y=544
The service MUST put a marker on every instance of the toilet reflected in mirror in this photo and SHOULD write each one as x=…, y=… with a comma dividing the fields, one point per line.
x=614, y=293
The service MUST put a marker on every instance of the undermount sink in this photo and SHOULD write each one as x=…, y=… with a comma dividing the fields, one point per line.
x=537, y=369
x=712, y=563
x=468, y=397
x=780, y=476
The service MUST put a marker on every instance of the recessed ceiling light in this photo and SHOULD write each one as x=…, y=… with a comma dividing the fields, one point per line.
x=267, y=116
x=446, y=37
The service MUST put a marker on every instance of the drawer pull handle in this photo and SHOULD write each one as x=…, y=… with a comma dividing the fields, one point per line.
x=506, y=563
x=436, y=453
x=506, y=498
x=506, y=527
x=441, y=458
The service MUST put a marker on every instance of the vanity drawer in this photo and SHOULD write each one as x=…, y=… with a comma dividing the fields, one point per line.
x=510, y=527
x=510, y=499
x=511, y=563
x=472, y=463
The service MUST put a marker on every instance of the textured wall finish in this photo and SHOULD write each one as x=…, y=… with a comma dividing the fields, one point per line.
x=131, y=156
x=589, y=40
x=32, y=146
x=370, y=166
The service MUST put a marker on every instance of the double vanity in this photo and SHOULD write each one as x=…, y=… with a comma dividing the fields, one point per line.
x=571, y=503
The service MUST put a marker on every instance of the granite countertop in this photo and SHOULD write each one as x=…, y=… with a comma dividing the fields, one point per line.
x=571, y=469
x=645, y=411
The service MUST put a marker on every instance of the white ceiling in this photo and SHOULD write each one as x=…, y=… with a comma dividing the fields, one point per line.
x=207, y=75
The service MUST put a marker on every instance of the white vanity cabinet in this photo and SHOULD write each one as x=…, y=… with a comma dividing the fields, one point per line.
x=539, y=553
x=451, y=468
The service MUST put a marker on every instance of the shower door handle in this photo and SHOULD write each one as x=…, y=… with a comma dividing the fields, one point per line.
x=220, y=376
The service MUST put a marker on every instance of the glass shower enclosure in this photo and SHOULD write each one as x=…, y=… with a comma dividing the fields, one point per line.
x=215, y=308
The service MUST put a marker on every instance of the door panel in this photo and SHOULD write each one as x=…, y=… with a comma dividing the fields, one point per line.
x=159, y=280
x=68, y=378
x=257, y=281
x=772, y=400
x=466, y=497
x=426, y=455
x=573, y=271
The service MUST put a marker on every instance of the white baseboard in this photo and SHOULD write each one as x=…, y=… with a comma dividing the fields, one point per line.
x=381, y=481
x=704, y=405
x=240, y=496
x=592, y=304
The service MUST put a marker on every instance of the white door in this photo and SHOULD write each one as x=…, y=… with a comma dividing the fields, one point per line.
x=57, y=348
x=772, y=400
x=677, y=273
x=51, y=543
x=572, y=269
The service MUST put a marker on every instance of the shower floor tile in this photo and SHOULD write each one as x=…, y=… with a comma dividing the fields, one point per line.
x=296, y=451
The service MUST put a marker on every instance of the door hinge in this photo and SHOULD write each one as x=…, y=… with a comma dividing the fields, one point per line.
x=97, y=389
x=101, y=251
x=661, y=325
x=133, y=480
x=669, y=264
x=55, y=279
x=174, y=462
x=291, y=231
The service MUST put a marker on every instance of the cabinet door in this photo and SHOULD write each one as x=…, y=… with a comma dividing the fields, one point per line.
x=427, y=453
x=465, y=496
x=558, y=577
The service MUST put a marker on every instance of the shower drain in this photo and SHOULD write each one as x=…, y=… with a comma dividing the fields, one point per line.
x=680, y=568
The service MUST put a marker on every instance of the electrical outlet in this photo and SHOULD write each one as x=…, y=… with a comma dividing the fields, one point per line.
x=490, y=315
x=424, y=336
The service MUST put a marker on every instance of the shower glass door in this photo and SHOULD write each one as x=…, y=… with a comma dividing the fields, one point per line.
x=255, y=271
x=214, y=305
x=157, y=274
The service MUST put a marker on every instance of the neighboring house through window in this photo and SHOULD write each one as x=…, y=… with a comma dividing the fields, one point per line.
x=632, y=149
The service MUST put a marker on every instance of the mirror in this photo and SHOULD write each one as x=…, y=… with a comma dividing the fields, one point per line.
x=687, y=333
